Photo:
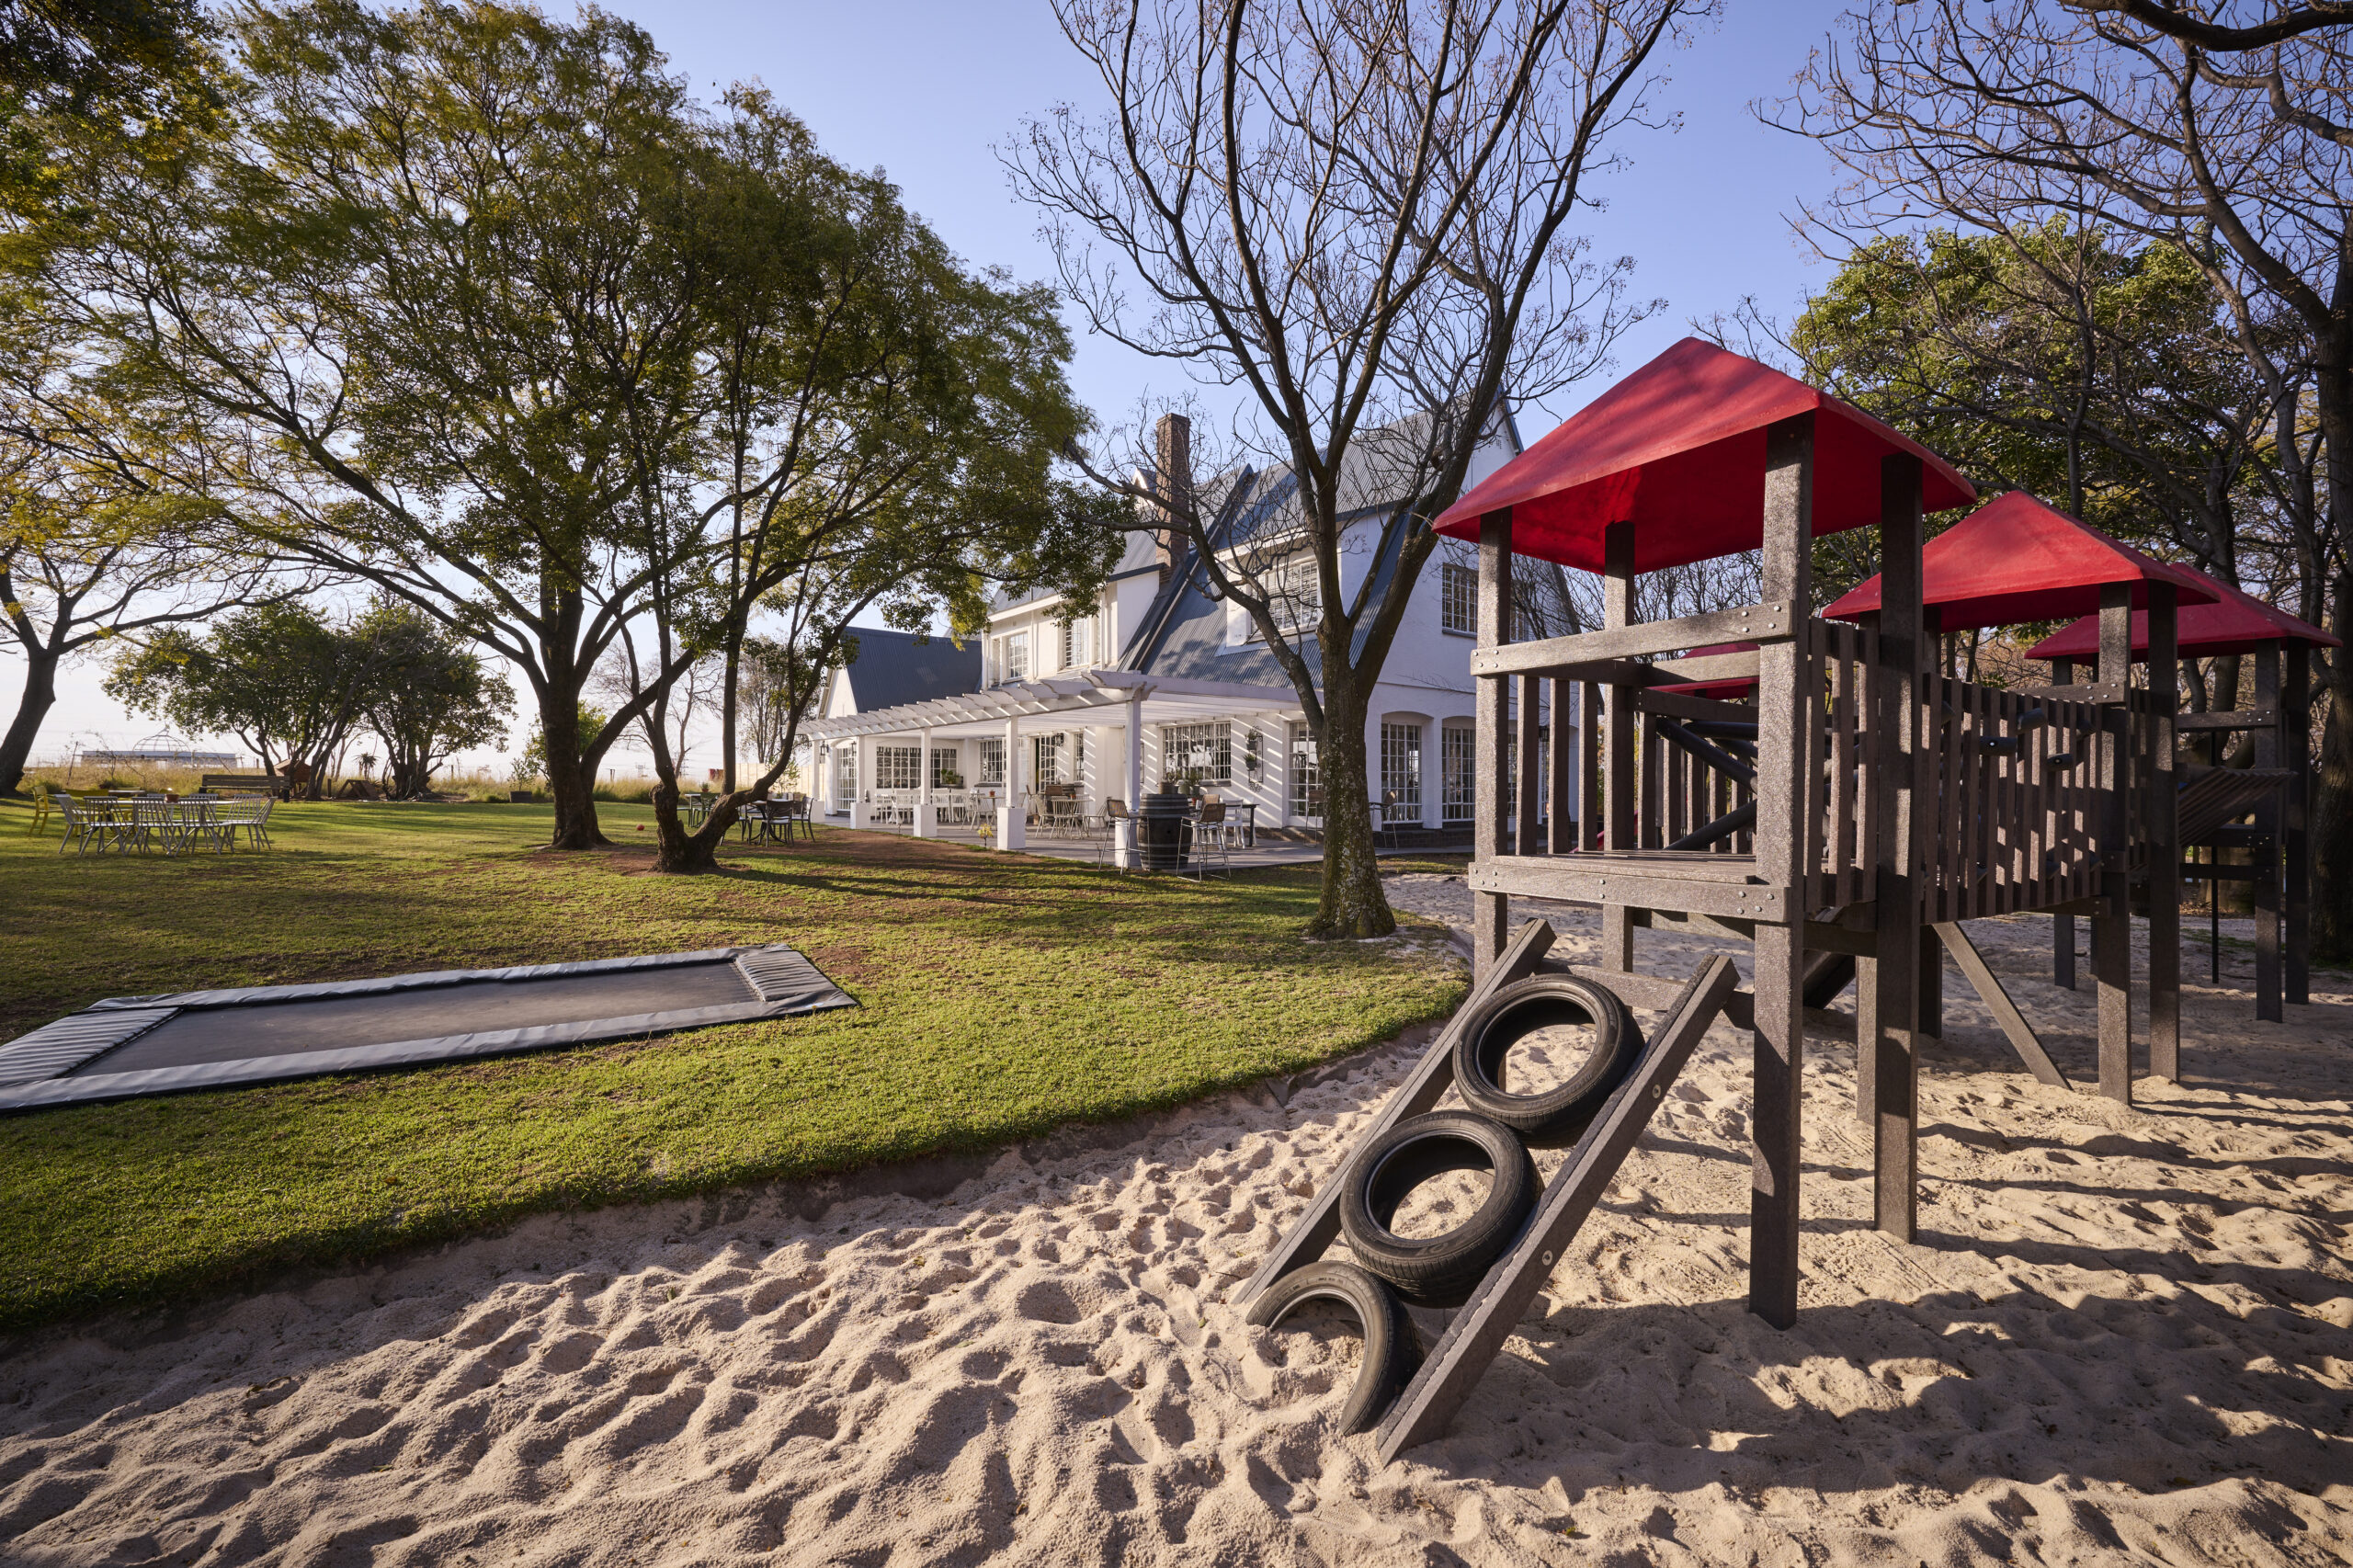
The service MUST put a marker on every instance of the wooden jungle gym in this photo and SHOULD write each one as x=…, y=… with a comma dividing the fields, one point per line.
x=1844, y=818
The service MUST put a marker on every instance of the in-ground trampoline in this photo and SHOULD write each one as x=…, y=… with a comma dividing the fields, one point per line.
x=129, y=1046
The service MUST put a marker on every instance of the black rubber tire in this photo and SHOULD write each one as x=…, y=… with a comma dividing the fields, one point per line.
x=1438, y=1271
x=1393, y=1346
x=1559, y=1116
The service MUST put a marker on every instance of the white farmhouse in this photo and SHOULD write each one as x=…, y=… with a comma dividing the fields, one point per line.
x=1158, y=684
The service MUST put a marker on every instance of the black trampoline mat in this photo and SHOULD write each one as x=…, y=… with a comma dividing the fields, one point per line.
x=125, y=1047
x=243, y=1032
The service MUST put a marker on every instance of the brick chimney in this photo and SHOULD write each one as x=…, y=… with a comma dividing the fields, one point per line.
x=1173, y=479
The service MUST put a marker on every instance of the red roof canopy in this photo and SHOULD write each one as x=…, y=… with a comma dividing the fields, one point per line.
x=2237, y=624
x=2018, y=559
x=1677, y=449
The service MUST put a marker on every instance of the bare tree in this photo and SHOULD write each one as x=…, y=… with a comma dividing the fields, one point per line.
x=2026, y=110
x=1357, y=212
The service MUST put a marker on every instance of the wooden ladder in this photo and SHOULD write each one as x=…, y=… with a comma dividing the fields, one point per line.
x=1480, y=1326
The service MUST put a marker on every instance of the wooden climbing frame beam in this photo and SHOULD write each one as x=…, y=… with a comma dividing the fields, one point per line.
x=1480, y=1327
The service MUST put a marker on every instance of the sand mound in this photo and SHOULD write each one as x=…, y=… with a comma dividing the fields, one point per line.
x=2125, y=1340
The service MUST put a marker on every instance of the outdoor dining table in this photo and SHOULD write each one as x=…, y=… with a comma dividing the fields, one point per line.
x=139, y=821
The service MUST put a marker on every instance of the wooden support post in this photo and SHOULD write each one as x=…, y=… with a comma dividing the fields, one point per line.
x=2013, y=1023
x=1589, y=791
x=2295, y=832
x=2164, y=840
x=1788, y=721
x=1886, y=1025
x=1491, y=912
x=2063, y=927
x=1310, y=1234
x=1528, y=791
x=1618, y=742
x=2267, y=754
x=1563, y=809
x=1479, y=1330
x=2112, y=931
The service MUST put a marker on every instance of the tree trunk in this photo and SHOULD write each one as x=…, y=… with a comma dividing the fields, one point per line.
x=1352, y=904
x=571, y=779
x=727, y=693
x=40, y=696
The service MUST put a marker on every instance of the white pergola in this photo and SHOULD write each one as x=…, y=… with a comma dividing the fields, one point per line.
x=1082, y=697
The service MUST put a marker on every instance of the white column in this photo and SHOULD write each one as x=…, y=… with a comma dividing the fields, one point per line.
x=1124, y=849
x=860, y=816
x=1012, y=818
x=926, y=824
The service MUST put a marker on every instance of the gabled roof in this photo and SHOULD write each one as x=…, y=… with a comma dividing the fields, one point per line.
x=895, y=667
x=2237, y=624
x=1677, y=449
x=1184, y=631
x=2020, y=559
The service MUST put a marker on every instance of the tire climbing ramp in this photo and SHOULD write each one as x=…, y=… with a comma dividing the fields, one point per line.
x=1490, y=1269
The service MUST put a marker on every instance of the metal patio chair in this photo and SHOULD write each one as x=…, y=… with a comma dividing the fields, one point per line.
x=1204, y=836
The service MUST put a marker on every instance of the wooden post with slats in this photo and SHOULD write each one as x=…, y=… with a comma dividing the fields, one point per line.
x=1618, y=744
x=2267, y=754
x=2295, y=833
x=1491, y=912
x=1787, y=725
x=2112, y=927
x=1898, y=774
x=2163, y=841
x=2063, y=927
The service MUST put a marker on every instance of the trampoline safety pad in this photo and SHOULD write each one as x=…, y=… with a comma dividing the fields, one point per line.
x=127, y=1047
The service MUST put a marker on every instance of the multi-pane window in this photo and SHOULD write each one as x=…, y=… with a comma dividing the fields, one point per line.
x=1459, y=599
x=1046, y=757
x=1014, y=660
x=1206, y=750
x=1294, y=595
x=1078, y=643
x=1458, y=773
x=1306, y=774
x=845, y=773
x=1401, y=771
x=993, y=761
x=898, y=768
x=946, y=763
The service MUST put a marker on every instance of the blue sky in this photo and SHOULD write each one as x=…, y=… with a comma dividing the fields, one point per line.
x=926, y=91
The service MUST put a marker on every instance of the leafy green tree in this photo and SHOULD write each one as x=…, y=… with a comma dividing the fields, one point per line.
x=428, y=298
x=879, y=432
x=279, y=677
x=431, y=696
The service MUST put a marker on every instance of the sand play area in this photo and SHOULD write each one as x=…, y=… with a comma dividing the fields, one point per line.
x=2127, y=1338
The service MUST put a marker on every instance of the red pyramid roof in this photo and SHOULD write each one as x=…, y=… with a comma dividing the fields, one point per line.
x=2240, y=622
x=1677, y=449
x=2021, y=559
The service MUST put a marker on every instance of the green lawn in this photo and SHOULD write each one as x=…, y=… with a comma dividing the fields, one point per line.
x=1000, y=995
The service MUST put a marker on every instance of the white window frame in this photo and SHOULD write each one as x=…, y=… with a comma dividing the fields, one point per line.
x=1458, y=774
x=1178, y=742
x=1294, y=596
x=1457, y=610
x=1306, y=761
x=991, y=765
x=898, y=768
x=1401, y=771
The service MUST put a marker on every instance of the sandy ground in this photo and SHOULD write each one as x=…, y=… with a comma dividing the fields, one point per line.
x=2126, y=1337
